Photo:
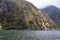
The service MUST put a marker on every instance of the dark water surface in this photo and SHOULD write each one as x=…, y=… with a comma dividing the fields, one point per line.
x=29, y=35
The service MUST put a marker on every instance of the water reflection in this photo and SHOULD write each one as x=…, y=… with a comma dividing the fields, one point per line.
x=29, y=35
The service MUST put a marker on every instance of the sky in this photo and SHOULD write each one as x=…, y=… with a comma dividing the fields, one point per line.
x=45, y=3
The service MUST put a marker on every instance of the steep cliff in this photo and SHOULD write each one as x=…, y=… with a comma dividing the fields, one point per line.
x=20, y=14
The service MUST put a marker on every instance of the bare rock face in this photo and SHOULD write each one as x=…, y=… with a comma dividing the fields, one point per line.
x=20, y=14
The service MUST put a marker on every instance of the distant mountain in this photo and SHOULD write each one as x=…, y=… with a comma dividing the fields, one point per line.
x=54, y=13
x=20, y=14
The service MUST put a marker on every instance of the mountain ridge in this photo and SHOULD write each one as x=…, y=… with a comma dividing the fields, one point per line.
x=54, y=13
x=20, y=14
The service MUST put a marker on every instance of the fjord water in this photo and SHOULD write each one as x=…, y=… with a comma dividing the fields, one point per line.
x=29, y=35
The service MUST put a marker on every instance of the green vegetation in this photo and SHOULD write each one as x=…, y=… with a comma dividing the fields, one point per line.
x=20, y=15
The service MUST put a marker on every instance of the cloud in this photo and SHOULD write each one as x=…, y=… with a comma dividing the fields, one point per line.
x=44, y=3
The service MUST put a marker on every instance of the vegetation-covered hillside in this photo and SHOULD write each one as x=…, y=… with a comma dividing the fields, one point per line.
x=20, y=14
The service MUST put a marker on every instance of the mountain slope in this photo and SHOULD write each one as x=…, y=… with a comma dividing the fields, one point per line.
x=54, y=13
x=20, y=14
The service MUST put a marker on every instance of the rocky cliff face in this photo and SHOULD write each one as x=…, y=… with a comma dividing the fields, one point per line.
x=20, y=14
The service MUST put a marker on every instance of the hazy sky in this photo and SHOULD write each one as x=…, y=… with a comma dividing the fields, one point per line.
x=44, y=3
